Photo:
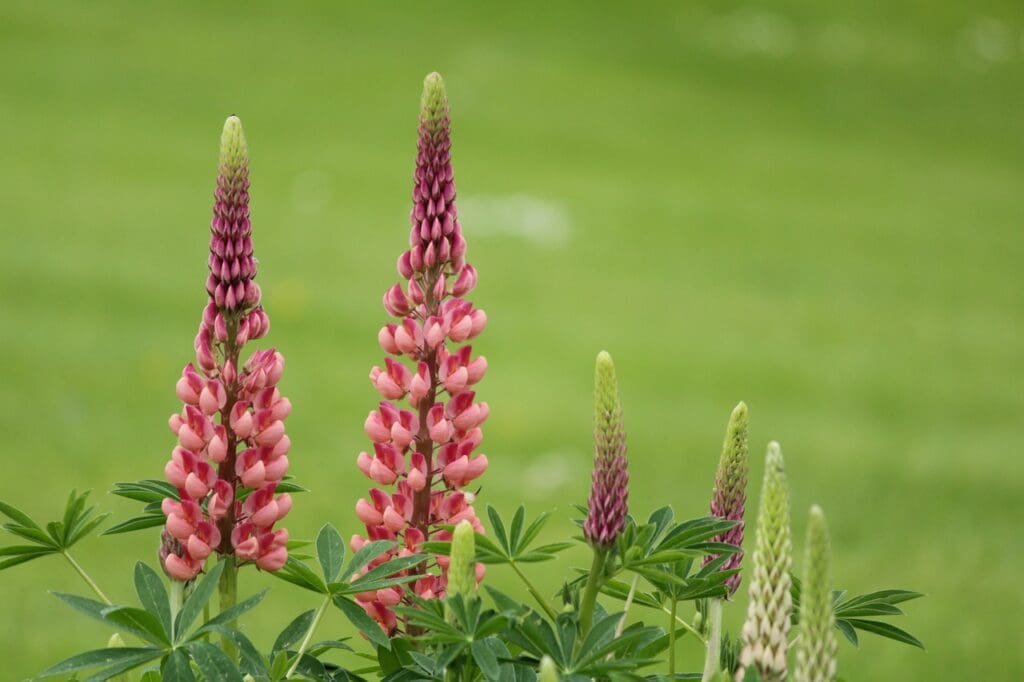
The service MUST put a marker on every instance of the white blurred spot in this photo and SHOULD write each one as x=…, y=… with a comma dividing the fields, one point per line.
x=984, y=42
x=543, y=223
x=311, y=191
x=548, y=473
x=751, y=31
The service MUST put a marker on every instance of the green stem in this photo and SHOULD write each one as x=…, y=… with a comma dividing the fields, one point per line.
x=88, y=580
x=625, y=609
x=177, y=598
x=686, y=626
x=672, y=639
x=712, y=659
x=533, y=591
x=594, y=581
x=317, y=617
x=228, y=588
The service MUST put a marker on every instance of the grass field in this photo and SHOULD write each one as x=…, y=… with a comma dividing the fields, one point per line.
x=813, y=207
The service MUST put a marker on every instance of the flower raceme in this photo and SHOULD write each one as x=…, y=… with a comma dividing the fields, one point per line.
x=232, y=450
x=427, y=453
x=729, y=497
x=607, y=506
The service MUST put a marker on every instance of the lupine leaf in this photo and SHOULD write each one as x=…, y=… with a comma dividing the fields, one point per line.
x=300, y=574
x=330, y=551
x=498, y=526
x=485, y=658
x=95, y=609
x=176, y=668
x=139, y=621
x=885, y=630
x=33, y=533
x=293, y=632
x=387, y=569
x=21, y=559
x=136, y=523
x=97, y=657
x=153, y=595
x=193, y=606
x=82, y=528
x=18, y=516
x=367, y=553
x=233, y=612
x=368, y=626
x=213, y=663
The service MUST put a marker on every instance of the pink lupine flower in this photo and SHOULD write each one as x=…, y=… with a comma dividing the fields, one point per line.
x=427, y=453
x=230, y=432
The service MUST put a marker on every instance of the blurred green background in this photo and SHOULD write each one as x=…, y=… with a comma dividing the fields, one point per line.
x=813, y=207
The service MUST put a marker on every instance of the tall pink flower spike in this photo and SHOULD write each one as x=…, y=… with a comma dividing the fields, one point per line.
x=426, y=453
x=231, y=441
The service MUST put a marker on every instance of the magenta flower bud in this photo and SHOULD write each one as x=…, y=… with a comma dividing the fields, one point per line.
x=396, y=302
x=405, y=268
x=465, y=282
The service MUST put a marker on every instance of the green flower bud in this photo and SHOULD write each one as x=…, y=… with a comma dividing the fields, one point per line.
x=462, y=568
x=765, y=632
x=434, y=103
x=548, y=670
x=816, y=655
x=234, y=152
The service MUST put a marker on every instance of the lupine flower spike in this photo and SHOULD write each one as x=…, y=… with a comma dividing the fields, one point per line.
x=730, y=493
x=768, y=615
x=609, y=490
x=816, y=655
x=230, y=431
x=607, y=506
x=427, y=453
x=727, y=502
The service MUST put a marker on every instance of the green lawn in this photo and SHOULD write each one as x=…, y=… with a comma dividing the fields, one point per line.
x=813, y=207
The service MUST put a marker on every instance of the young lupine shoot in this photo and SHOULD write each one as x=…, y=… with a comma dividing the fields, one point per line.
x=427, y=453
x=765, y=632
x=607, y=506
x=816, y=652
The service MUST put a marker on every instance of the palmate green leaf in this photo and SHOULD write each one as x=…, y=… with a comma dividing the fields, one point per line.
x=232, y=613
x=293, y=632
x=358, y=617
x=32, y=534
x=147, y=490
x=19, y=517
x=195, y=602
x=19, y=554
x=83, y=526
x=364, y=555
x=330, y=551
x=498, y=526
x=139, y=621
x=136, y=523
x=95, y=610
x=298, y=573
x=886, y=630
x=387, y=569
x=516, y=529
x=176, y=668
x=153, y=596
x=485, y=659
x=103, y=657
x=250, y=660
x=213, y=663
